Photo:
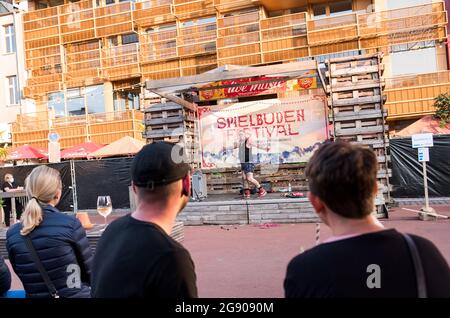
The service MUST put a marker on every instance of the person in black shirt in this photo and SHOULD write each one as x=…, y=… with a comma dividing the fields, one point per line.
x=362, y=258
x=245, y=145
x=10, y=186
x=136, y=257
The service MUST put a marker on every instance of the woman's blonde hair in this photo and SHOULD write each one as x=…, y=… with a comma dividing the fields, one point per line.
x=6, y=176
x=41, y=186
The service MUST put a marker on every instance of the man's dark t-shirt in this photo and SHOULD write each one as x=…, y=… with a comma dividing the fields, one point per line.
x=136, y=259
x=341, y=268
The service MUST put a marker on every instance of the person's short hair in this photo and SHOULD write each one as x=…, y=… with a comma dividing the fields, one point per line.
x=344, y=177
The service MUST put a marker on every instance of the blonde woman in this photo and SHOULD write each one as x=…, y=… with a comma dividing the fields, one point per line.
x=49, y=250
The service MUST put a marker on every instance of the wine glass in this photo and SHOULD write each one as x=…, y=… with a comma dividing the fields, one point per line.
x=104, y=206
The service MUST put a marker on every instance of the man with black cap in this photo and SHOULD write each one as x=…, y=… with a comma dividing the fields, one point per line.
x=136, y=257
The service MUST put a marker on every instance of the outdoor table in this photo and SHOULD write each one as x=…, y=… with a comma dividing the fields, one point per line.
x=20, y=194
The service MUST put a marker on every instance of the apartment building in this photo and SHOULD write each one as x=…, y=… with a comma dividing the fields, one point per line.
x=86, y=59
x=12, y=69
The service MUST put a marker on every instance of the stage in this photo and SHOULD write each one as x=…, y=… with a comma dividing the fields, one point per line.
x=234, y=209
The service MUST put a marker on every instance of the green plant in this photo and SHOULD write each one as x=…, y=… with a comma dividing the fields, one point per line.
x=442, y=104
x=3, y=153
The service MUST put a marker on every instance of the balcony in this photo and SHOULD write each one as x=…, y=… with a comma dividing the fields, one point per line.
x=198, y=64
x=197, y=40
x=239, y=39
x=158, y=45
x=188, y=9
x=234, y=5
x=284, y=38
x=77, y=21
x=83, y=61
x=413, y=96
x=418, y=23
x=334, y=29
x=275, y=5
x=162, y=69
x=153, y=12
x=101, y=128
x=114, y=19
x=121, y=62
x=41, y=28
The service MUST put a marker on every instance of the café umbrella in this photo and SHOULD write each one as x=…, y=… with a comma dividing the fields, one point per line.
x=125, y=146
x=26, y=152
x=80, y=151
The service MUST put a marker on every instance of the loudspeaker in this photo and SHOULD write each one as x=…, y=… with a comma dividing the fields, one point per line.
x=199, y=188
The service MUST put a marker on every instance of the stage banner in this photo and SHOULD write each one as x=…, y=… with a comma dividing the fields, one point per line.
x=256, y=86
x=280, y=130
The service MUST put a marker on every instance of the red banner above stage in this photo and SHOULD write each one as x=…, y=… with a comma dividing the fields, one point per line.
x=256, y=86
x=283, y=130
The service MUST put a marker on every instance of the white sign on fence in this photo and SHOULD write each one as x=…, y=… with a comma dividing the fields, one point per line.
x=424, y=154
x=422, y=140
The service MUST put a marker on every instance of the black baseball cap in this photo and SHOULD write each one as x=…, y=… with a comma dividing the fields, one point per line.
x=158, y=164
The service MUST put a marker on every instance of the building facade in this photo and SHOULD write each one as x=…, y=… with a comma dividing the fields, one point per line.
x=86, y=60
x=12, y=70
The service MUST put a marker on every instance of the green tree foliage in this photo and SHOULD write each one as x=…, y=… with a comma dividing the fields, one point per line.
x=442, y=104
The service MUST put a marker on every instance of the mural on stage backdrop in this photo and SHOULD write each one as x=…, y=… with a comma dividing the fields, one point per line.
x=282, y=130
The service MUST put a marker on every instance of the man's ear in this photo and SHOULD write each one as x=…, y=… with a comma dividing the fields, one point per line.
x=133, y=187
x=317, y=204
x=375, y=189
x=319, y=207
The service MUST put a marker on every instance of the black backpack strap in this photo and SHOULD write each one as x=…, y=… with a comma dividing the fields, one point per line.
x=38, y=263
x=418, y=267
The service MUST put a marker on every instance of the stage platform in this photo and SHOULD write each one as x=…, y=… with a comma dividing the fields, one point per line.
x=234, y=209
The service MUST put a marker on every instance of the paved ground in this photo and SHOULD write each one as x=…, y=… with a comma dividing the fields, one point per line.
x=250, y=261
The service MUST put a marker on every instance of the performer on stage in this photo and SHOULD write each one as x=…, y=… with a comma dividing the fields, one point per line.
x=245, y=144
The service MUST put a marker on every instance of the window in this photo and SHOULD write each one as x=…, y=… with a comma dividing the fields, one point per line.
x=340, y=7
x=187, y=24
x=10, y=39
x=167, y=27
x=206, y=20
x=319, y=10
x=332, y=9
x=13, y=88
x=414, y=61
x=130, y=38
x=75, y=102
x=42, y=5
x=56, y=104
x=119, y=102
x=95, y=100
x=113, y=41
x=278, y=13
x=395, y=4
x=299, y=9
x=107, y=2
x=133, y=101
x=411, y=46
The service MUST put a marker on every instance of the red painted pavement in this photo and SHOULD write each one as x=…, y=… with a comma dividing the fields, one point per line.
x=249, y=261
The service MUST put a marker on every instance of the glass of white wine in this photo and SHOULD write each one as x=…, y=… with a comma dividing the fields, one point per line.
x=104, y=206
